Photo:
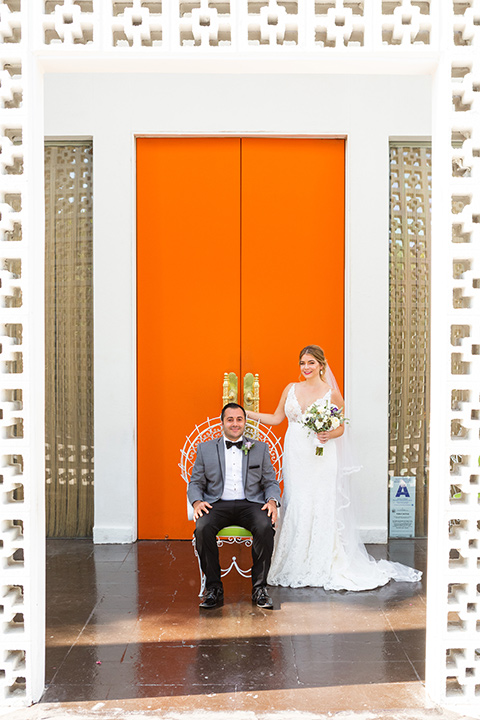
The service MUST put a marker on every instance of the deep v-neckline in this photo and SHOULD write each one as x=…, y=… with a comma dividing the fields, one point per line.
x=312, y=403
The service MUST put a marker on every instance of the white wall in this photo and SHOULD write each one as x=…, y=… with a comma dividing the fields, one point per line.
x=113, y=108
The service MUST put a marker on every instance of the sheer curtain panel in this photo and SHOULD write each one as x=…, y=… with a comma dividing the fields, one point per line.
x=69, y=339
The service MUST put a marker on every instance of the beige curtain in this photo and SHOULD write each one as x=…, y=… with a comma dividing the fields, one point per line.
x=410, y=197
x=69, y=340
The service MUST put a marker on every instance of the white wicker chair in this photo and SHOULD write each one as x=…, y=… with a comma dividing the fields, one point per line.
x=233, y=534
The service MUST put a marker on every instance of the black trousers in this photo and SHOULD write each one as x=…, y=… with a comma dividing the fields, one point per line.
x=235, y=512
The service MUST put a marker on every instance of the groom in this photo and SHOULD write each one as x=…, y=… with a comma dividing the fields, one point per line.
x=233, y=483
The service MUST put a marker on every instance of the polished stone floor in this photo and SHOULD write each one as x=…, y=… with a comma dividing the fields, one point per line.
x=124, y=629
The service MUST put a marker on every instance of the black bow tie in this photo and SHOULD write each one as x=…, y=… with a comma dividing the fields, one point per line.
x=229, y=444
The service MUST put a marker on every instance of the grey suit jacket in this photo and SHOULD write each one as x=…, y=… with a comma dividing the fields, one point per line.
x=208, y=474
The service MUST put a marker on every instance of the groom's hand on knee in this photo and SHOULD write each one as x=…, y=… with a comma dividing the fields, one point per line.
x=200, y=507
x=271, y=508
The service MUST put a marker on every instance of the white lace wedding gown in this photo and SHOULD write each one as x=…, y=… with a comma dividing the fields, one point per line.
x=313, y=545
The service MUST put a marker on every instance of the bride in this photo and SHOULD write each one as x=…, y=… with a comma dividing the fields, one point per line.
x=317, y=543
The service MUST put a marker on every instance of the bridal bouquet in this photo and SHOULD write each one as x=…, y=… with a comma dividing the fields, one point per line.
x=321, y=418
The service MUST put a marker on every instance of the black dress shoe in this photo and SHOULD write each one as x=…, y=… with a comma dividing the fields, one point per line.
x=213, y=598
x=262, y=599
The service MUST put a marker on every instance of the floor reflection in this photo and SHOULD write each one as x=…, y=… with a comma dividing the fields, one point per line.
x=123, y=623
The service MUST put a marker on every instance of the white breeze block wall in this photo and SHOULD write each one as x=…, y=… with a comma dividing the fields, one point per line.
x=453, y=619
x=22, y=476
x=380, y=36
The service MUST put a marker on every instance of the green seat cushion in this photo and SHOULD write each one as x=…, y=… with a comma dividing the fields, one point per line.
x=234, y=531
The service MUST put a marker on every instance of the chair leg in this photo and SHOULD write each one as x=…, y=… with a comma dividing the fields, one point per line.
x=202, y=575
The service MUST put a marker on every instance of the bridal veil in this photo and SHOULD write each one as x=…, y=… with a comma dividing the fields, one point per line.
x=353, y=568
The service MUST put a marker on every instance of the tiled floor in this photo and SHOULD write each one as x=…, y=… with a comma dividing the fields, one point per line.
x=123, y=627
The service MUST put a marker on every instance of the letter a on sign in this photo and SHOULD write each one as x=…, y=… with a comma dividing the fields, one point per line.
x=402, y=490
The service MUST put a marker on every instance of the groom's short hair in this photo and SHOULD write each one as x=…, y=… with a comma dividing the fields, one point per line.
x=232, y=405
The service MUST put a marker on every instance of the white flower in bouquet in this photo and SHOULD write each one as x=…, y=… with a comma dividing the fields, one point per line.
x=322, y=418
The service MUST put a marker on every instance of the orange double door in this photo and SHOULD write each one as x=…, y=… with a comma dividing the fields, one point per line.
x=240, y=263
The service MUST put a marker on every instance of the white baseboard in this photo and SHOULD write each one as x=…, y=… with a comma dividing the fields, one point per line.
x=373, y=535
x=120, y=536
x=113, y=535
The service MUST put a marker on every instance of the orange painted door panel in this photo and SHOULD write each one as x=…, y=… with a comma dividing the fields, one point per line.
x=293, y=208
x=293, y=258
x=240, y=262
x=188, y=309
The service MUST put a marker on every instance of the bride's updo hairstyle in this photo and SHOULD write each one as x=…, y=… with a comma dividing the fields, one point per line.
x=316, y=352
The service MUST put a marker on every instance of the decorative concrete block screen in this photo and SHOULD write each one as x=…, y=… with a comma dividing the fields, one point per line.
x=396, y=36
x=16, y=478
x=409, y=352
x=455, y=500
x=238, y=25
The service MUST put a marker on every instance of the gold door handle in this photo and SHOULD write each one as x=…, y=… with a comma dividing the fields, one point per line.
x=251, y=392
x=230, y=388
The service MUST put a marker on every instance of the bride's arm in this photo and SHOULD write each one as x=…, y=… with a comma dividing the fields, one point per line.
x=272, y=418
x=338, y=432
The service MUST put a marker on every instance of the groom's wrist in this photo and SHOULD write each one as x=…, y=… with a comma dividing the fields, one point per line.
x=272, y=499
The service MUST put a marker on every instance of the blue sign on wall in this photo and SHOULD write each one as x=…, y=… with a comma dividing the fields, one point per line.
x=402, y=506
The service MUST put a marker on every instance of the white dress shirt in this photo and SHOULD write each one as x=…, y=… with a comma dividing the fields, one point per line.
x=233, y=489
